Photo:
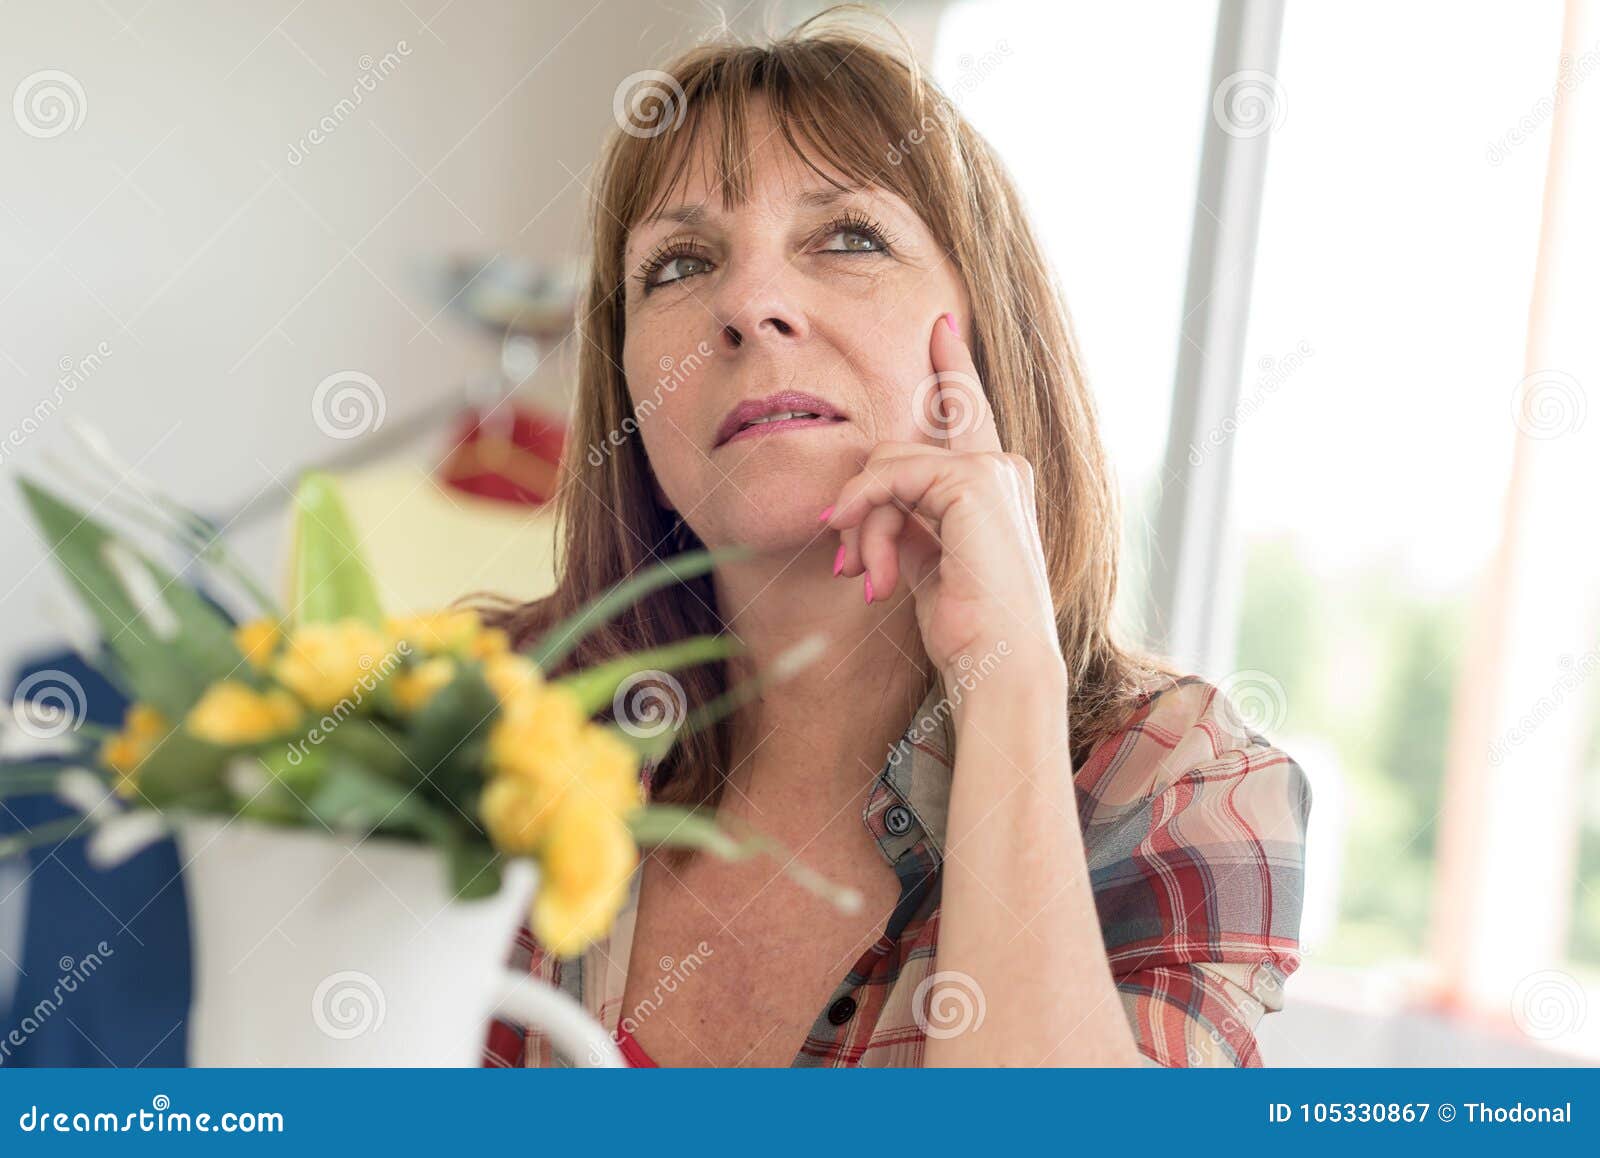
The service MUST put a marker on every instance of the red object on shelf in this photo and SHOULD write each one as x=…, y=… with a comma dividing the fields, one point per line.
x=521, y=469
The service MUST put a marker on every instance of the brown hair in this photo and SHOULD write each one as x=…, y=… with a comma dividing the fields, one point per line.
x=859, y=102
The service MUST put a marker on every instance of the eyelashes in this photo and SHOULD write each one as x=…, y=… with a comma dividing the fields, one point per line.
x=679, y=247
x=853, y=221
x=664, y=254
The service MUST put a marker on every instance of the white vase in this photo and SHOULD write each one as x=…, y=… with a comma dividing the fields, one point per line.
x=316, y=950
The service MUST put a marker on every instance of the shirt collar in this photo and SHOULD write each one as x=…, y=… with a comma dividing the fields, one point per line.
x=910, y=800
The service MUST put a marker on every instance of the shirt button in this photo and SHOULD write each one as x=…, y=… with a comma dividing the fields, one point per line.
x=898, y=819
x=842, y=1010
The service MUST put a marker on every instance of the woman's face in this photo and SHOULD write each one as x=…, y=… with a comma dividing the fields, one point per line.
x=802, y=301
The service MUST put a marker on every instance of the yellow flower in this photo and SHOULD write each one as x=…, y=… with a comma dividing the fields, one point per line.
x=611, y=770
x=142, y=729
x=585, y=868
x=439, y=631
x=234, y=713
x=512, y=678
x=538, y=734
x=516, y=812
x=258, y=640
x=490, y=642
x=415, y=686
x=324, y=662
x=541, y=751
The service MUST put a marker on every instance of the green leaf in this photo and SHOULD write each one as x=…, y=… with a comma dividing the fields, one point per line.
x=596, y=686
x=667, y=826
x=446, y=738
x=352, y=798
x=294, y=772
x=373, y=746
x=273, y=804
x=39, y=778
x=182, y=771
x=474, y=868
x=330, y=579
x=560, y=640
x=648, y=747
x=42, y=834
x=170, y=668
x=152, y=509
x=787, y=664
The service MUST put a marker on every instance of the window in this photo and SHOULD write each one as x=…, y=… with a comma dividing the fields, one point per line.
x=1107, y=168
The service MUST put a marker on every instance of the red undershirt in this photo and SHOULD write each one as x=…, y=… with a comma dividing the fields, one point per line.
x=632, y=1052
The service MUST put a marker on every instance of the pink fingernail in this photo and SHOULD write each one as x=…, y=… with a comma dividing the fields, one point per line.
x=838, y=561
x=827, y=513
x=950, y=320
x=868, y=588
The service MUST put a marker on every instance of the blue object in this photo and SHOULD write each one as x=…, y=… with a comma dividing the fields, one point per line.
x=105, y=968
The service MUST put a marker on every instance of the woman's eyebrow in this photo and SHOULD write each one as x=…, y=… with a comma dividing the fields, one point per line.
x=683, y=214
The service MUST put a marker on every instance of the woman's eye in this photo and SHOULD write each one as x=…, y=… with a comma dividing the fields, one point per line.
x=853, y=241
x=677, y=268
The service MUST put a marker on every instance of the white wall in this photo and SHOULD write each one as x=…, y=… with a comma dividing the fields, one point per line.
x=207, y=283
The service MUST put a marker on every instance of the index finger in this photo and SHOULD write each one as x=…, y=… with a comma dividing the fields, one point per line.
x=954, y=394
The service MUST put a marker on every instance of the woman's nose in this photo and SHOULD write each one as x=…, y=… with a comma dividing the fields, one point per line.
x=758, y=309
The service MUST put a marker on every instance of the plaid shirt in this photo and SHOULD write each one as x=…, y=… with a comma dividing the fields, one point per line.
x=1194, y=828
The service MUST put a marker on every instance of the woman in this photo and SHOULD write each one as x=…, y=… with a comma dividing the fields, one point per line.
x=819, y=326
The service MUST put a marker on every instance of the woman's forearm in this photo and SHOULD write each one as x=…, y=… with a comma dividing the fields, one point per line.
x=1018, y=915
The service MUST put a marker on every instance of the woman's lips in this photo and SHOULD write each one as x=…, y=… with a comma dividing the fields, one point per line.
x=787, y=410
x=761, y=430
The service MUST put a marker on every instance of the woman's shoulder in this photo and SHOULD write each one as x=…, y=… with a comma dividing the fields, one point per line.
x=1186, y=727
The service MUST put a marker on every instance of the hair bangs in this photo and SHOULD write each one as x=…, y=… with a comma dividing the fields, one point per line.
x=840, y=123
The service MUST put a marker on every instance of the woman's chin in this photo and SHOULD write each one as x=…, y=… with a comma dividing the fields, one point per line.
x=786, y=524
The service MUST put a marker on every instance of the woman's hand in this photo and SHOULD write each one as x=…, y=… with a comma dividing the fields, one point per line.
x=957, y=524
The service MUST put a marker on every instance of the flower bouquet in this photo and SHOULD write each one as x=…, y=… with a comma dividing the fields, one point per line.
x=333, y=723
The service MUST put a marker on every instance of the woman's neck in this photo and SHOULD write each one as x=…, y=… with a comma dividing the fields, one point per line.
x=840, y=713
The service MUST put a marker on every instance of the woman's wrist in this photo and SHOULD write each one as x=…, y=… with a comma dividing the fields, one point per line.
x=1010, y=687
x=1006, y=671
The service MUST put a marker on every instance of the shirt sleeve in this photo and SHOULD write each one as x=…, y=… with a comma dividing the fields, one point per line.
x=1194, y=827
